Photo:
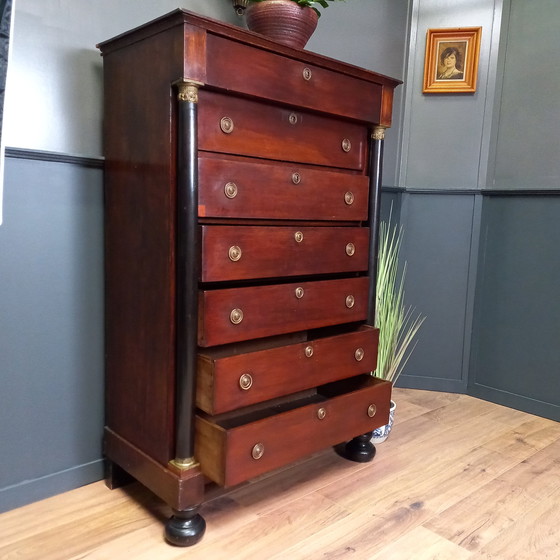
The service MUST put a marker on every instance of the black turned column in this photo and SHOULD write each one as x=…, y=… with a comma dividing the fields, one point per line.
x=186, y=527
x=360, y=449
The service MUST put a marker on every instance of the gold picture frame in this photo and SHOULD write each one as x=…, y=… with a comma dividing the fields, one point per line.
x=451, y=61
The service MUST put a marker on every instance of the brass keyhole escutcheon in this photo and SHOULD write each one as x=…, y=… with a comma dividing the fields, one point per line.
x=346, y=145
x=372, y=409
x=226, y=125
x=236, y=316
x=300, y=292
x=359, y=354
x=296, y=178
x=230, y=190
x=350, y=249
x=350, y=301
x=308, y=351
x=235, y=253
x=258, y=451
x=307, y=74
x=246, y=381
x=298, y=236
x=349, y=198
x=293, y=118
x=321, y=413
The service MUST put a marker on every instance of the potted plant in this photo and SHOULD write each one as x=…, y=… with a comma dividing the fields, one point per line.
x=397, y=323
x=290, y=22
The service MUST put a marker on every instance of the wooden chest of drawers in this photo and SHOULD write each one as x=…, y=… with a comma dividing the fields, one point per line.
x=242, y=202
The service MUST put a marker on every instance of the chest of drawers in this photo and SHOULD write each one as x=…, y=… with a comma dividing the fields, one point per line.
x=242, y=187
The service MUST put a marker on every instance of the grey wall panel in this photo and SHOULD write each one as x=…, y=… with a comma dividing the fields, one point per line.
x=437, y=248
x=51, y=329
x=443, y=132
x=516, y=358
x=526, y=151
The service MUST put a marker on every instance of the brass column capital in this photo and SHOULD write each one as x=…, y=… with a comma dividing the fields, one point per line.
x=378, y=133
x=188, y=90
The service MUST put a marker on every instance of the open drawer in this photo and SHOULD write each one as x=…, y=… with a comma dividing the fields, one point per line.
x=232, y=448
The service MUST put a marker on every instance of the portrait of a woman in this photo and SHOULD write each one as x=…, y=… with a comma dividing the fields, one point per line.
x=451, y=64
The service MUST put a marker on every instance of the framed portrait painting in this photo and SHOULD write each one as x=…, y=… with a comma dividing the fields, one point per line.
x=451, y=62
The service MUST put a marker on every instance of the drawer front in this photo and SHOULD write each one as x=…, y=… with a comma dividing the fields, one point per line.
x=244, y=252
x=230, y=382
x=234, y=188
x=236, y=314
x=230, y=454
x=291, y=81
x=236, y=126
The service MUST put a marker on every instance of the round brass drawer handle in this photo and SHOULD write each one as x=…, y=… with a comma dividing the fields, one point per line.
x=372, y=409
x=350, y=301
x=350, y=249
x=298, y=236
x=230, y=190
x=321, y=413
x=236, y=316
x=300, y=292
x=293, y=118
x=349, y=198
x=307, y=74
x=226, y=125
x=235, y=253
x=258, y=451
x=359, y=354
x=246, y=381
x=346, y=145
x=308, y=351
x=296, y=178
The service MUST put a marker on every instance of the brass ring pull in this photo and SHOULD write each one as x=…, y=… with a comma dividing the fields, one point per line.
x=298, y=236
x=350, y=301
x=350, y=249
x=346, y=145
x=307, y=74
x=236, y=316
x=246, y=381
x=258, y=451
x=293, y=118
x=308, y=351
x=372, y=409
x=235, y=253
x=321, y=413
x=230, y=190
x=226, y=124
x=359, y=354
x=349, y=198
x=299, y=292
x=296, y=178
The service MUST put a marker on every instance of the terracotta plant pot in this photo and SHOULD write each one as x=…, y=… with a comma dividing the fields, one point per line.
x=283, y=21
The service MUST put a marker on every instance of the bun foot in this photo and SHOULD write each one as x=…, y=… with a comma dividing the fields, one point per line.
x=185, y=528
x=360, y=449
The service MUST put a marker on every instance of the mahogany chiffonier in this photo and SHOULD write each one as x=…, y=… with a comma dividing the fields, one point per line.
x=242, y=182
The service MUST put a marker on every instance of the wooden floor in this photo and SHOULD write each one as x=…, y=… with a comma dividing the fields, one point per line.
x=458, y=478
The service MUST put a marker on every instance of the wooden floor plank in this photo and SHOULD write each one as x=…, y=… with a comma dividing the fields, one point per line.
x=458, y=478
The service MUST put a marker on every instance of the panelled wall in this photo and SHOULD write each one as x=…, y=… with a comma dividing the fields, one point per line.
x=51, y=241
x=480, y=208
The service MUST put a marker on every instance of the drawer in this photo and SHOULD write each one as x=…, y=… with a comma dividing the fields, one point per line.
x=227, y=382
x=232, y=449
x=244, y=252
x=291, y=81
x=237, y=188
x=232, y=125
x=235, y=314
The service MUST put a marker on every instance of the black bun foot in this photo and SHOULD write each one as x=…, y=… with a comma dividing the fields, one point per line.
x=360, y=449
x=185, y=528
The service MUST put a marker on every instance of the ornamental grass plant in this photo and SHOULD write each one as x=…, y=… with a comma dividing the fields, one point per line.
x=398, y=324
